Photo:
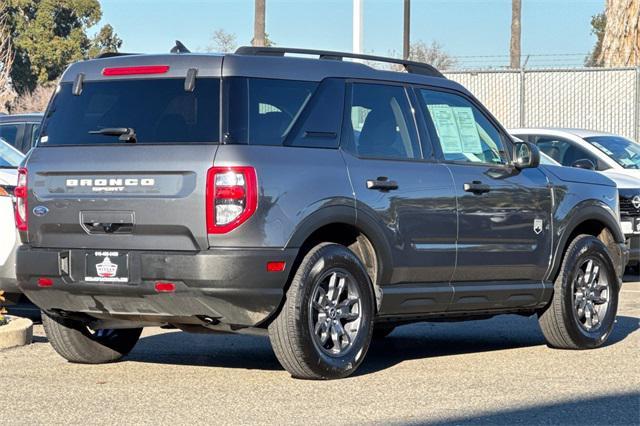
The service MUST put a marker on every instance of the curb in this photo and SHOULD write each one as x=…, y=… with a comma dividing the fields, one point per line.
x=18, y=332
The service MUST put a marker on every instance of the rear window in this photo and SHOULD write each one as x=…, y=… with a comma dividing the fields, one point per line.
x=158, y=110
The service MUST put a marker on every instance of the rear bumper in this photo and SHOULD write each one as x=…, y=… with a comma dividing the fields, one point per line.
x=231, y=286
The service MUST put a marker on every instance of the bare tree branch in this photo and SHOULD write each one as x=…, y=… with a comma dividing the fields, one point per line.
x=6, y=59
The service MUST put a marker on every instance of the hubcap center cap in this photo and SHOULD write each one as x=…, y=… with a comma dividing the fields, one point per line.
x=332, y=313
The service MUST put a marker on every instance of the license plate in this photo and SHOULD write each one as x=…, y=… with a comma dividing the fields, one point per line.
x=107, y=267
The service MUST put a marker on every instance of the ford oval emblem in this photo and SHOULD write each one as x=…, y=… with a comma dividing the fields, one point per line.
x=40, y=210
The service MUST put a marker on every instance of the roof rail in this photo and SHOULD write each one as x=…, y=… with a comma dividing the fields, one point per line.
x=409, y=66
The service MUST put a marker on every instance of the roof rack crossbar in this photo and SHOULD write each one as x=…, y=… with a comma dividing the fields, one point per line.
x=410, y=66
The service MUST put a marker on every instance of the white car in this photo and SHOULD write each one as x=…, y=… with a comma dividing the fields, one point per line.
x=615, y=156
x=10, y=159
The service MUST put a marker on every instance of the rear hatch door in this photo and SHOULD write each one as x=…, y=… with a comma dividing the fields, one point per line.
x=94, y=187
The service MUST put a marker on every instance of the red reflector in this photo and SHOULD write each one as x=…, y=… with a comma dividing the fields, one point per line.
x=45, y=282
x=276, y=266
x=165, y=287
x=145, y=69
x=230, y=192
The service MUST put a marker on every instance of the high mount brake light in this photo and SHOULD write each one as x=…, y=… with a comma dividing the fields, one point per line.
x=140, y=70
x=232, y=197
x=21, y=200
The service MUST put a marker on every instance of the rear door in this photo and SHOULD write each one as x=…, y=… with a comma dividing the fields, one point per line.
x=504, y=231
x=103, y=191
x=411, y=197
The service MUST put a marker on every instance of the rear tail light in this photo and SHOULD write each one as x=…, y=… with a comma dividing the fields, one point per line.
x=21, y=200
x=232, y=197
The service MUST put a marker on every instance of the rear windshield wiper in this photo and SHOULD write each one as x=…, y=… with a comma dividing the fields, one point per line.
x=126, y=134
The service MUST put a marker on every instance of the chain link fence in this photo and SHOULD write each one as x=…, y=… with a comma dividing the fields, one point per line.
x=591, y=98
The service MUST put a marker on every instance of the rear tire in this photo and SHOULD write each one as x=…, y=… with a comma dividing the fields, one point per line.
x=77, y=343
x=324, y=328
x=583, y=308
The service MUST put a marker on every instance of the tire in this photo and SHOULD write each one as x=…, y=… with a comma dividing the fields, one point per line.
x=562, y=324
x=75, y=342
x=297, y=333
x=380, y=331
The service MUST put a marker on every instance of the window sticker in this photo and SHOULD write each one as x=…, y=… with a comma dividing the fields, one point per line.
x=602, y=148
x=447, y=128
x=468, y=130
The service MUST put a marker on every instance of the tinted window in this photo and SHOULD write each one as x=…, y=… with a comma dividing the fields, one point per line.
x=9, y=132
x=381, y=124
x=464, y=132
x=35, y=131
x=262, y=111
x=623, y=151
x=564, y=151
x=159, y=111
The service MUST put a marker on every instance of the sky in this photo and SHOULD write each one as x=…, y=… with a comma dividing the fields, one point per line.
x=475, y=31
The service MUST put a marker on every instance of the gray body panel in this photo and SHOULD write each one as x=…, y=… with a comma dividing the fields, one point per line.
x=440, y=250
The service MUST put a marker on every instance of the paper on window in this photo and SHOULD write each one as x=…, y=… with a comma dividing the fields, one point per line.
x=447, y=128
x=468, y=130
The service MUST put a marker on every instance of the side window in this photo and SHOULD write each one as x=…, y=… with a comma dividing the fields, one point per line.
x=464, y=132
x=9, y=132
x=262, y=111
x=565, y=152
x=381, y=123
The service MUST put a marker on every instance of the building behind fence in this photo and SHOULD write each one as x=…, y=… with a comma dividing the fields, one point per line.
x=606, y=99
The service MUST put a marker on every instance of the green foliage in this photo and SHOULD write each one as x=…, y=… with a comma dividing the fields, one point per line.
x=598, y=25
x=49, y=34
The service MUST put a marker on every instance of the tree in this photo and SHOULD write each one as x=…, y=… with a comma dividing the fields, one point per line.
x=432, y=54
x=6, y=60
x=222, y=41
x=105, y=41
x=598, y=24
x=621, y=40
x=47, y=35
x=516, y=32
x=259, y=36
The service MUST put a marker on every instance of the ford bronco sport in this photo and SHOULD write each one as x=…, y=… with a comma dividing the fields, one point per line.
x=319, y=201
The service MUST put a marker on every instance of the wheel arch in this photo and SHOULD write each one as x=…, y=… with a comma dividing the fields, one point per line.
x=591, y=220
x=352, y=228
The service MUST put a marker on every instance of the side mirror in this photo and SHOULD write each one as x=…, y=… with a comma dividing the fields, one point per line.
x=584, y=163
x=525, y=155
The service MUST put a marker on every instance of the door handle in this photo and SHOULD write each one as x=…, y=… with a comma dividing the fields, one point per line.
x=382, y=183
x=476, y=187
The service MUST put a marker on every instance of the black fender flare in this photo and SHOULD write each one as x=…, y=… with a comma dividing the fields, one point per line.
x=365, y=222
x=578, y=215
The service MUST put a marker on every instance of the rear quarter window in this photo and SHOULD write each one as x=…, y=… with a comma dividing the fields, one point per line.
x=158, y=110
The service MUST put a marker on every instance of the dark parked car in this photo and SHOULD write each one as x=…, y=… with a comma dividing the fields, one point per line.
x=20, y=130
x=316, y=201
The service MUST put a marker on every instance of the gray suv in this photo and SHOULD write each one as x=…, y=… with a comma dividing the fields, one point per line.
x=318, y=201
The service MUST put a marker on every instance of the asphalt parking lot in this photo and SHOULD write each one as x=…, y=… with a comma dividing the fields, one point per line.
x=497, y=371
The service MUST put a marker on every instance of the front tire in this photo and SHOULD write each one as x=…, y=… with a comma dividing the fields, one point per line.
x=75, y=342
x=324, y=328
x=582, y=311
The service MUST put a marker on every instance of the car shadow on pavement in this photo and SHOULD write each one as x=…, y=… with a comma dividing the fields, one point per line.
x=426, y=340
x=415, y=341
x=612, y=409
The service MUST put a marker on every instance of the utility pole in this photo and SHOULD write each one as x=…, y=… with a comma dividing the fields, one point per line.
x=516, y=30
x=357, y=26
x=259, y=23
x=406, y=35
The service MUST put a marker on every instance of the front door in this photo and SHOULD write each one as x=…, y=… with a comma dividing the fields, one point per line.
x=411, y=199
x=504, y=229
